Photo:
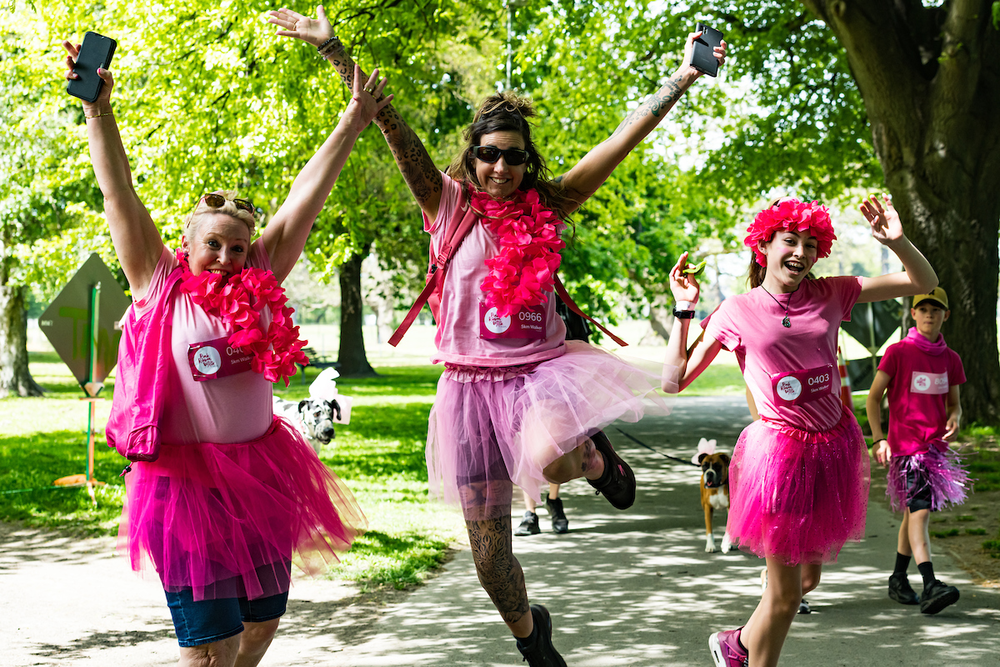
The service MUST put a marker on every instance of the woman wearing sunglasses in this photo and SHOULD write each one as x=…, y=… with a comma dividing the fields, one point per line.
x=516, y=404
x=221, y=494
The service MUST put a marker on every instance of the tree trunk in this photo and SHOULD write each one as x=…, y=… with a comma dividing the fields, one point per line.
x=15, y=378
x=928, y=78
x=352, y=357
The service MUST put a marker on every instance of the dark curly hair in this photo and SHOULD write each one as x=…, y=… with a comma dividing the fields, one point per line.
x=508, y=112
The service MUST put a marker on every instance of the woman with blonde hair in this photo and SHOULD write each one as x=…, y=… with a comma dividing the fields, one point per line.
x=221, y=495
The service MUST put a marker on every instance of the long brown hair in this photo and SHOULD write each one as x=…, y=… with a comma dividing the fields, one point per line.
x=508, y=112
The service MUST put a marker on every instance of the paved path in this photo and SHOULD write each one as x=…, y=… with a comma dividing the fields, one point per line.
x=632, y=588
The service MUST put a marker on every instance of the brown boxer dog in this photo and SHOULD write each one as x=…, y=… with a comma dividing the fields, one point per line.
x=714, y=493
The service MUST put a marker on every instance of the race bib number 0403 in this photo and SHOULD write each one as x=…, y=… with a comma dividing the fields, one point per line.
x=799, y=387
x=527, y=323
x=213, y=359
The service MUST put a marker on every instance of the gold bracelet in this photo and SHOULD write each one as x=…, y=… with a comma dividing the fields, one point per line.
x=99, y=115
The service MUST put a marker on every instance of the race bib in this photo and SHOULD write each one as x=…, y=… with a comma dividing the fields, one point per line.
x=217, y=359
x=527, y=323
x=929, y=383
x=799, y=387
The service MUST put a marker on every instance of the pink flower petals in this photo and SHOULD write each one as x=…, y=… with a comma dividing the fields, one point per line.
x=792, y=215
x=528, y=234
x=239, y=304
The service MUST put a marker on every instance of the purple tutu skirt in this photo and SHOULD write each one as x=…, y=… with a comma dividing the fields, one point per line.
x=938, y=470
x=227, y=520
x=492, y=428
x=796, y=495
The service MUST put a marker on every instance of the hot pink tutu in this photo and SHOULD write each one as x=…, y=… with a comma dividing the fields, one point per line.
x=227, y=520
x=490, y=428
x=796, y=495
x=938, y=471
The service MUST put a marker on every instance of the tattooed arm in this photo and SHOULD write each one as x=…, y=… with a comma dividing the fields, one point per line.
x=419, y=172
x=589, y=173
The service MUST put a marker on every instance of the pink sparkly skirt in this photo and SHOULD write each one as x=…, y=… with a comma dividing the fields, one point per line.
x=227, y=520
x=938, y=471
x=492, y=428
x=796, y=495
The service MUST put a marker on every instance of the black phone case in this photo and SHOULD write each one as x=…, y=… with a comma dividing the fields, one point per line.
x=96, y=51
x=703, y=55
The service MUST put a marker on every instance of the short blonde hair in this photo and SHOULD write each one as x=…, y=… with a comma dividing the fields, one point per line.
x=203, y=210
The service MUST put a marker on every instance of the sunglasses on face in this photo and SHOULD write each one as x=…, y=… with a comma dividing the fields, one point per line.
x=214, y=200
x=490, y=154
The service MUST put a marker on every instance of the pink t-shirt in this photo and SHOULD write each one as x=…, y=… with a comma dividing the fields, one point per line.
x=223, y=410
x=791, y=372
x=458, y=340
x=918, y=395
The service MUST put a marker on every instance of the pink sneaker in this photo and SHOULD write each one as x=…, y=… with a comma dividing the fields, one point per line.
x=727, y=650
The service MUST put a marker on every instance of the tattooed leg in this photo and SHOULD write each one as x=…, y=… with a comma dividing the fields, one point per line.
x=584, y=461
x=499, y=572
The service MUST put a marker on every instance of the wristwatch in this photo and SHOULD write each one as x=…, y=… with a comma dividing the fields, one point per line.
x=684, y=314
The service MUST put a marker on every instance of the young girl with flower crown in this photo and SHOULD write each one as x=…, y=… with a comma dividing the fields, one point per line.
x=799, y=476
x=221, y=495
x=517, y=403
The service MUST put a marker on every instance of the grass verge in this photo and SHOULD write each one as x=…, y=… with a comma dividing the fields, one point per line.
x=380, y=455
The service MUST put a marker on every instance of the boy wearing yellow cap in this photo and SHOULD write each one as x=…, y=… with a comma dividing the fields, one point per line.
x=922, y=375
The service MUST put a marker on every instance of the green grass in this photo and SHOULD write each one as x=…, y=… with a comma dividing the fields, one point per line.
x=379, y=455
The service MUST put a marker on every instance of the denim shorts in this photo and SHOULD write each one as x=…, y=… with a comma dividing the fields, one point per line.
x=207, y=621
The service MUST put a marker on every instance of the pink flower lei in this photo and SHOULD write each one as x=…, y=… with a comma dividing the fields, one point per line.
x=792, y=215
x=239, y=301
x=526, y=264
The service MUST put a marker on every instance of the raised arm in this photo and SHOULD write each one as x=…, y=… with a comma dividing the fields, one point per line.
x=137, y=241
x=286, y=235
x=589, y=173
x=415, y=164
x=683, y=363
x=918, y=277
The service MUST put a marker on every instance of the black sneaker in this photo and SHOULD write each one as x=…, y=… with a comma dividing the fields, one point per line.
x=901, y=591
x=529, y=525
x=560, y=524
x=618, y=482
x=937, y=596
x=542, y=653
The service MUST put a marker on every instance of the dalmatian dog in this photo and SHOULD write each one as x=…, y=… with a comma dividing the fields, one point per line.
x=314, y=417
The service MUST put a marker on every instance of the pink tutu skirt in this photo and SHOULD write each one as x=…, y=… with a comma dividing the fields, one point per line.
x=227, y=520
x=796, y=495
x=937, y=472
x=492, y=428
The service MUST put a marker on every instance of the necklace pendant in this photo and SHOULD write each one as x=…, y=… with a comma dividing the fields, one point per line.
x=787, y=323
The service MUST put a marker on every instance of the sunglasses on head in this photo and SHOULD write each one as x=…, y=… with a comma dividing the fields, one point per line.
x=490, y=154
x=215, y=200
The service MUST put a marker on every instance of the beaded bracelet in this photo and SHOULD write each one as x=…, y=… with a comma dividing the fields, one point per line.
x=99, y=115
x=332, y=43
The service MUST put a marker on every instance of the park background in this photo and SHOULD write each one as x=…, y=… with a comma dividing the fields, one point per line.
x=825, y=100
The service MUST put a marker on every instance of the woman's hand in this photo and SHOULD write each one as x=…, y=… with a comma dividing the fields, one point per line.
x=313, y=31
x=720, y=53
x=367, y=100
x=886, y=225
x=684, y=286
x=103, y=101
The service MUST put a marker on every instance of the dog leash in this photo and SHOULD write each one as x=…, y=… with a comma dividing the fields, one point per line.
x=668, y=456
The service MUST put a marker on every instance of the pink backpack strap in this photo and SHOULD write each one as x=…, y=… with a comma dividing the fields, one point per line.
x=564, y=295
x=461, y=223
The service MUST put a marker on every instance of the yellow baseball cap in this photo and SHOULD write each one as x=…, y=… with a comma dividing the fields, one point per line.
x=937, y=295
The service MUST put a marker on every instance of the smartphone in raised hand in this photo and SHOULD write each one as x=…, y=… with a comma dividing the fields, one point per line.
x=703, y=55
x=95, y=52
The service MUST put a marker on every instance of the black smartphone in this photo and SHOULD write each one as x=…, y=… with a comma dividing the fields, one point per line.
x=703, y=55
x=96, y=51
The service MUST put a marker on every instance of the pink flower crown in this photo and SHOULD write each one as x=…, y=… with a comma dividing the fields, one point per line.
x=791, y=215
